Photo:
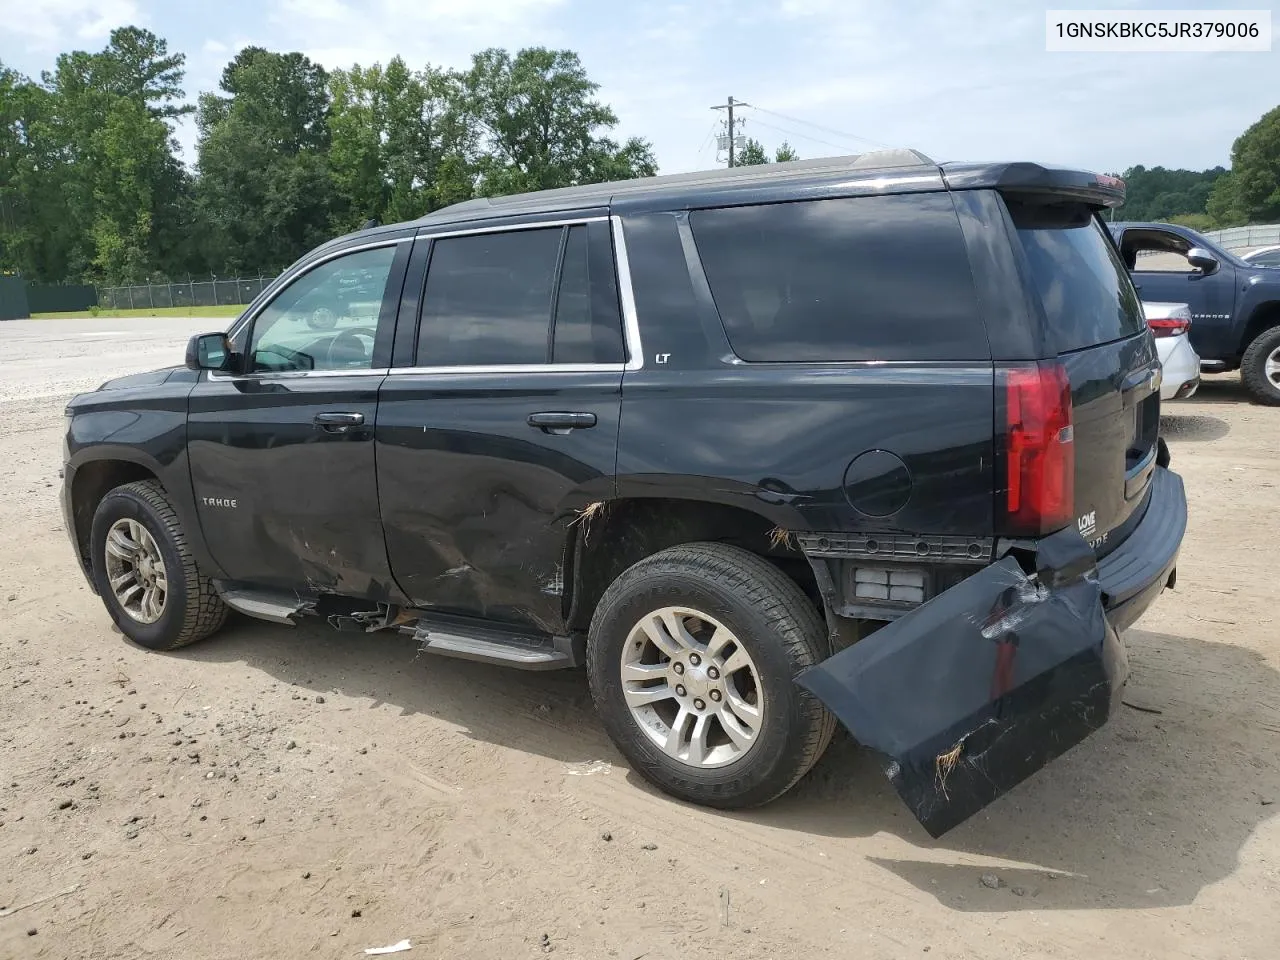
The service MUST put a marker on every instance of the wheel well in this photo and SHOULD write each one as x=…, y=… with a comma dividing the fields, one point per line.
x=93, y=481
x=608, y=539
x=1264, y=317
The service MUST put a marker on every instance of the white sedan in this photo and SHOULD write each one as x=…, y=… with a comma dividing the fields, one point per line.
x=1263, y=257
x=1170, y=324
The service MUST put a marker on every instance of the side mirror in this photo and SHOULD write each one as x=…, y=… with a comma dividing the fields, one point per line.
x=1202, y=260
x=208, y=351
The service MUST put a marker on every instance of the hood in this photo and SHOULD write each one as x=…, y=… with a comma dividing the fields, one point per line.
x=149, y=379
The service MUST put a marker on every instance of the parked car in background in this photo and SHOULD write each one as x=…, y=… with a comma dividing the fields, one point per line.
x=1263, y=257
x=870, y=438
x=1235, y=304
x=1170, y=324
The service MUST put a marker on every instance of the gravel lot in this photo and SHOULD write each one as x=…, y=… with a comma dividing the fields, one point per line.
x=284, y=793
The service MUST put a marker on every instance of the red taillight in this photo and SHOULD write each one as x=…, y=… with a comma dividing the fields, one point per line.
x=1171, y=327
x=1040, y=453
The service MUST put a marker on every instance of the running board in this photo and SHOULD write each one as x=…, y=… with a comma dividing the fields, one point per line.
x=275, y=606
x=488, y=644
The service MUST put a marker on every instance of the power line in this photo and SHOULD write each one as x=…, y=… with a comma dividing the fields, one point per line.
x=803, y=136
x=706, y=141
x=818, y=126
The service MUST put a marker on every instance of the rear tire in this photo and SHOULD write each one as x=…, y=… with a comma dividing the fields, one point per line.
x=1260, y=368
x=159, y=598
x=742, y=630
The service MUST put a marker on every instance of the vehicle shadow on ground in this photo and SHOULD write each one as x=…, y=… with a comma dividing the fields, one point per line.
x=1146, y=813
x=1192, y=427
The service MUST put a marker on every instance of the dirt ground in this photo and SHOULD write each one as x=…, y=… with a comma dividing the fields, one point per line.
x=281, y=793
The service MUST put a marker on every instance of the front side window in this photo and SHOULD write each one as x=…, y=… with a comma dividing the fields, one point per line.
x=1156, y=251
x=327, y=319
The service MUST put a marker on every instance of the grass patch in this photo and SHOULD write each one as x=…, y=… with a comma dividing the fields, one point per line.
x=220, y=311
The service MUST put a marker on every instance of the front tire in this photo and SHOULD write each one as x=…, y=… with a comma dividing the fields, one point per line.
x=1260, y=367
x=691, y=658
x=146, y=575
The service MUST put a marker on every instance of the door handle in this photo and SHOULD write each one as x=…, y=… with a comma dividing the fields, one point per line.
x=339, y=422
x=561, y=423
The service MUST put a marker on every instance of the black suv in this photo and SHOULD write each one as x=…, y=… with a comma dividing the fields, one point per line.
x=870, y=438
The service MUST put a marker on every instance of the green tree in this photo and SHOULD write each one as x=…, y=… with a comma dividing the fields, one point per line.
x=107, y=129
x=1196, y=221
x=1157, y=193
x=541, y=125
x=1251, y=192
x=402, y=145
x=751, y=154
x=265, y=188
x=754, y=153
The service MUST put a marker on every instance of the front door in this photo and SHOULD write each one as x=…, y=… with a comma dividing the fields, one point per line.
x=505, y=426
x=1162, y=273
x=281, y=449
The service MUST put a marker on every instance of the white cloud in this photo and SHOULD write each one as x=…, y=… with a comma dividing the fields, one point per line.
x=958, y=80
x=444, y=32
x=56, y=24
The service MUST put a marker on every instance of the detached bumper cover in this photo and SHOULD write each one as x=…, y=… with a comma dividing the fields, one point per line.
x=974, y=691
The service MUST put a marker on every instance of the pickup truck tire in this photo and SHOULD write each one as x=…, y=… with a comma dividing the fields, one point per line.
x=705, y=593
x=142, y=525
x=1260, y=367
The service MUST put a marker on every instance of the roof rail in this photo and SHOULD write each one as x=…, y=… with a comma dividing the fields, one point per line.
x=603, y=193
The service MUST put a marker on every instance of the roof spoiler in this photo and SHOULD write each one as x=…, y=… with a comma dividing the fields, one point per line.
x=1096, y=189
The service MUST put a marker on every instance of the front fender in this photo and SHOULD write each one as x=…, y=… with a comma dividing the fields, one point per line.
x=147, y=430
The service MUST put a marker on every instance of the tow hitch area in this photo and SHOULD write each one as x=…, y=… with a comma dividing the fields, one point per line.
x=971, y=693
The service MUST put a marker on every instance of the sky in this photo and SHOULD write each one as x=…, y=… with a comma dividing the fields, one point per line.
x=956, y=79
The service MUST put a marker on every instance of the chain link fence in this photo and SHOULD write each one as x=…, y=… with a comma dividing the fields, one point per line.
x=192, y=293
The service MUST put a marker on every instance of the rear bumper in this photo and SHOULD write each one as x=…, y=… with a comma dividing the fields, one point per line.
x=1137, y=571
x=974, y=691
x=1180, y=368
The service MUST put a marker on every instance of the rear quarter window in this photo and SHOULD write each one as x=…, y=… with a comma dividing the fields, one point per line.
x=1077, y=273
x=850, y=279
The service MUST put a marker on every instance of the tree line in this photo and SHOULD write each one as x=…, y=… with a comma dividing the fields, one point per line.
x=1209, y=199
x=287, y=154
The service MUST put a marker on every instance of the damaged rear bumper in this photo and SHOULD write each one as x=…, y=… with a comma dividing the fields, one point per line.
x=975, y=690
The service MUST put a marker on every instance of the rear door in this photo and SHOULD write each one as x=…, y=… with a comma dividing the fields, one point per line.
x=499, y=421
x=1094, y=325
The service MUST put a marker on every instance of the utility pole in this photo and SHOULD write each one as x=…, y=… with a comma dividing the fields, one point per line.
x=732, y=137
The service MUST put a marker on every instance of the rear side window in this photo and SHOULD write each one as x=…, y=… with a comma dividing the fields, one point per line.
x=1087, y=295
x=523, y=297
x=488, y=299
x=865, y=278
